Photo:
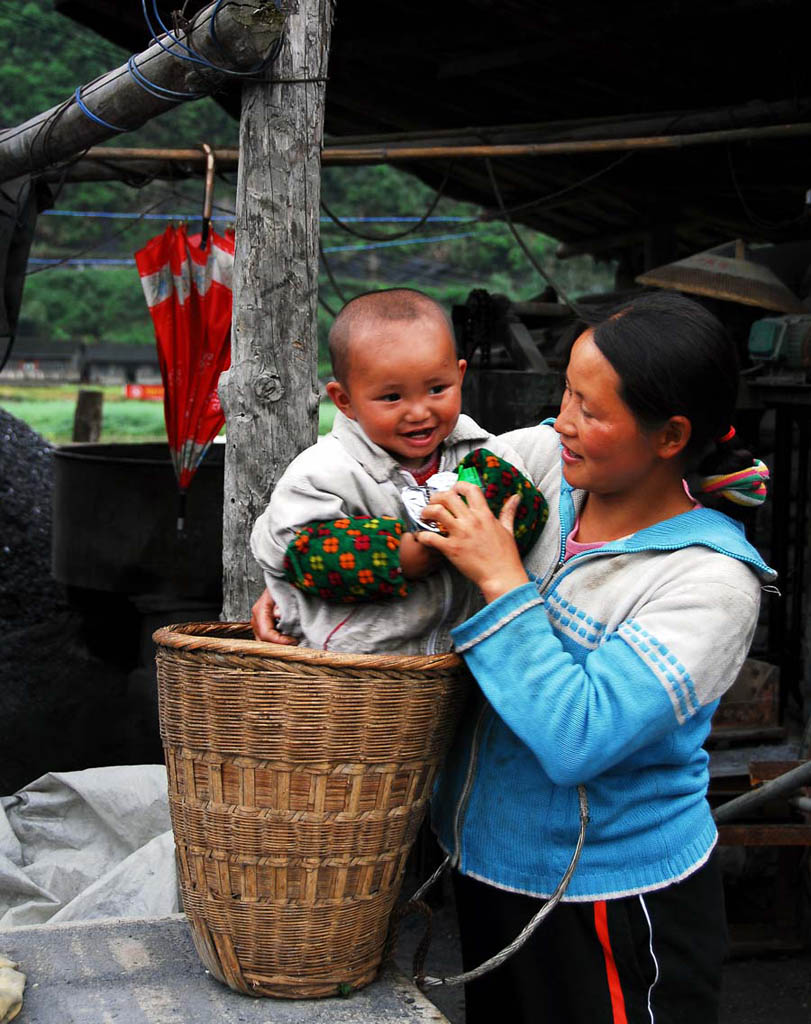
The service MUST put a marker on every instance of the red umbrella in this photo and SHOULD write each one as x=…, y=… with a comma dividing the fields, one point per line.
x=188, y=291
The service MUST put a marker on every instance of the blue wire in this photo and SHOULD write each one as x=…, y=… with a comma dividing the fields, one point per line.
x=95, y=117
x=132, y=216
x=385, y=245
x=192, y=55
x=159, y=91
x=99, y=261
x=229, y=217
x=80, y=262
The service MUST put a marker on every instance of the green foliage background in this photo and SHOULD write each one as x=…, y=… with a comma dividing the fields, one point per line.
x=70, y=303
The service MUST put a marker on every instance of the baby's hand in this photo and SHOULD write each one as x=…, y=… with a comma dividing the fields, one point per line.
x=417, y=561
x=263, y=621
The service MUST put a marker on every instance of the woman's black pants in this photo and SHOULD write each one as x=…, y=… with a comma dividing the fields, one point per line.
x=652, y=958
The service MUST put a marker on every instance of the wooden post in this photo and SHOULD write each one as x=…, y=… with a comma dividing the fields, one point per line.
x=88, y=416
x=270, y=394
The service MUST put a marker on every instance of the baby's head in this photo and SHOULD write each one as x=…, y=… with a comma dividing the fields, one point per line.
x=394, y=359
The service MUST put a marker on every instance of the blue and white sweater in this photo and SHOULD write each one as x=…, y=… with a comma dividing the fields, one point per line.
x=604, y=671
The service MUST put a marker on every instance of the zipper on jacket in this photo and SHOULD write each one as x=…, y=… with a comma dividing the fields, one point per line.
x=447, y=601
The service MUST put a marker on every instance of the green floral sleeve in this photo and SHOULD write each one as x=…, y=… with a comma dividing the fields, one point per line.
x=500, y=480
x=356, y=559
x=347, y=561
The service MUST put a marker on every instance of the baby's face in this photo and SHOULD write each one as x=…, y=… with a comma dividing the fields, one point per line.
x=404, y=386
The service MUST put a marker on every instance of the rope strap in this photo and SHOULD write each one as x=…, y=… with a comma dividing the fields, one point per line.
x=426, y=981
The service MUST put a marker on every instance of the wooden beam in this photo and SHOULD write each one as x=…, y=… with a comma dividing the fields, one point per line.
x=125, y=99
x=270, y=394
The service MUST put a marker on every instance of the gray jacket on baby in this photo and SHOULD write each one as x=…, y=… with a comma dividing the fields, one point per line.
x=346, y=474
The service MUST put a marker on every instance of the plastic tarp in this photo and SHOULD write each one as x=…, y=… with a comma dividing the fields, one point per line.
x=88, y=844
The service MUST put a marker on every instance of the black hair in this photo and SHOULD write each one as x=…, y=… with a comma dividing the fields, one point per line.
x=675, y=358
x=383, y=304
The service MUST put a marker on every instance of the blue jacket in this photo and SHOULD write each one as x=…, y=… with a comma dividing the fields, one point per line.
x=606, y=671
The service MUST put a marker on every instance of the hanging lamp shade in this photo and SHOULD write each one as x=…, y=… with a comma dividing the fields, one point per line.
x=727, y=272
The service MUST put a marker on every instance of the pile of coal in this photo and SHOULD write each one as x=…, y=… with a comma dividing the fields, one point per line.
x=28, y=592
x=62, y=707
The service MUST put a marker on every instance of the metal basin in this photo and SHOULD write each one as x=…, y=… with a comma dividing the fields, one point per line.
x=115, y=521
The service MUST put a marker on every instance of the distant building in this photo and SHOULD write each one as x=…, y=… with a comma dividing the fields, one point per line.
x=101, y=363
x=32, y=360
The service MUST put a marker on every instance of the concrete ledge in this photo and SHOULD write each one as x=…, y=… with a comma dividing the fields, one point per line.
x=117, y=971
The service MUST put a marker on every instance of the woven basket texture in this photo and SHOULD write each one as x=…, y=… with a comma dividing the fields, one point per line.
x=297, y=783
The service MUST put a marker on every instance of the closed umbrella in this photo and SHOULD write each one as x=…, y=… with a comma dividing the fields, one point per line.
x=188, y=291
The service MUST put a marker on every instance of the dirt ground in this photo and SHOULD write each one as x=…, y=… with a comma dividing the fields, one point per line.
x=767, y=989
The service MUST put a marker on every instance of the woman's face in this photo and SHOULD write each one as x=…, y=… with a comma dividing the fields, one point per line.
x=604, y=449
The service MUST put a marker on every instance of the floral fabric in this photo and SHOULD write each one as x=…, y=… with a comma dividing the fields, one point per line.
x=357, y=559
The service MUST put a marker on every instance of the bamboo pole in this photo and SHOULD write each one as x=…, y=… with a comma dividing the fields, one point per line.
x=270, y=394
x=375, y=153
x=125, y=99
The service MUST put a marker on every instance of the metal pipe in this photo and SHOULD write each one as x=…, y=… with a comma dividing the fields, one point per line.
x=745, y=804
x=208, y=194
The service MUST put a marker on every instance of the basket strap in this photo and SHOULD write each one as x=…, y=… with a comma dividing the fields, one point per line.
x=426, y=981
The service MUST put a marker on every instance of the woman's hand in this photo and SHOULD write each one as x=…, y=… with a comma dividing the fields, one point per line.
x=263, y=621
x=479, y=545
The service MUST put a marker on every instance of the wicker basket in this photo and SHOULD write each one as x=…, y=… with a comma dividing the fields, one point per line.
x=297, y=782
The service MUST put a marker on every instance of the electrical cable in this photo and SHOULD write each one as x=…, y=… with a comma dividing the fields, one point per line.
x=323, y=302
x=111, y=77
x=79, y=33
x=159, y=91
x=343, y=248
x=397, y=242
x=94, y=117
x=91, y=248
x=397, y=234
x=124, y=215
x=7, y=353
x=192, y=55
x=330, y=275
x=568, y=188
x=526, y=250
x=758, y=221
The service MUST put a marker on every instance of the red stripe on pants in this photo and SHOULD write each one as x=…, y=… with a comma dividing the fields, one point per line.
x=614, y=987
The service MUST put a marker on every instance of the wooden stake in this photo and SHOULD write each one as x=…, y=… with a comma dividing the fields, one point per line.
x=88, y=416
x=270, y=394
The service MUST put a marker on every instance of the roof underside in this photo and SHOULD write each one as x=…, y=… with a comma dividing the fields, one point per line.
x=517, y=70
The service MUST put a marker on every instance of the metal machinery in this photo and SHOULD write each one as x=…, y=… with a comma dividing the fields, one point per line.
x=779, y=381
x=516, y=353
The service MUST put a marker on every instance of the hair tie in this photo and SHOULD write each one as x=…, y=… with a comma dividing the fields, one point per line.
x=727, y=436
x=745, y=487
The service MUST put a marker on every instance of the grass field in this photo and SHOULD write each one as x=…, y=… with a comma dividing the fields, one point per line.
x=50, y=411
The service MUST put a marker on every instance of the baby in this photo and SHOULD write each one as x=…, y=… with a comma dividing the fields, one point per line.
x=336, y=540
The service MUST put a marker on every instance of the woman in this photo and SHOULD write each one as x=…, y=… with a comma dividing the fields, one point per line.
x=600, y=661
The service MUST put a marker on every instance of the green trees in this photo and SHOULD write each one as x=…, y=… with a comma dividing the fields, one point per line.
x=105, y=302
